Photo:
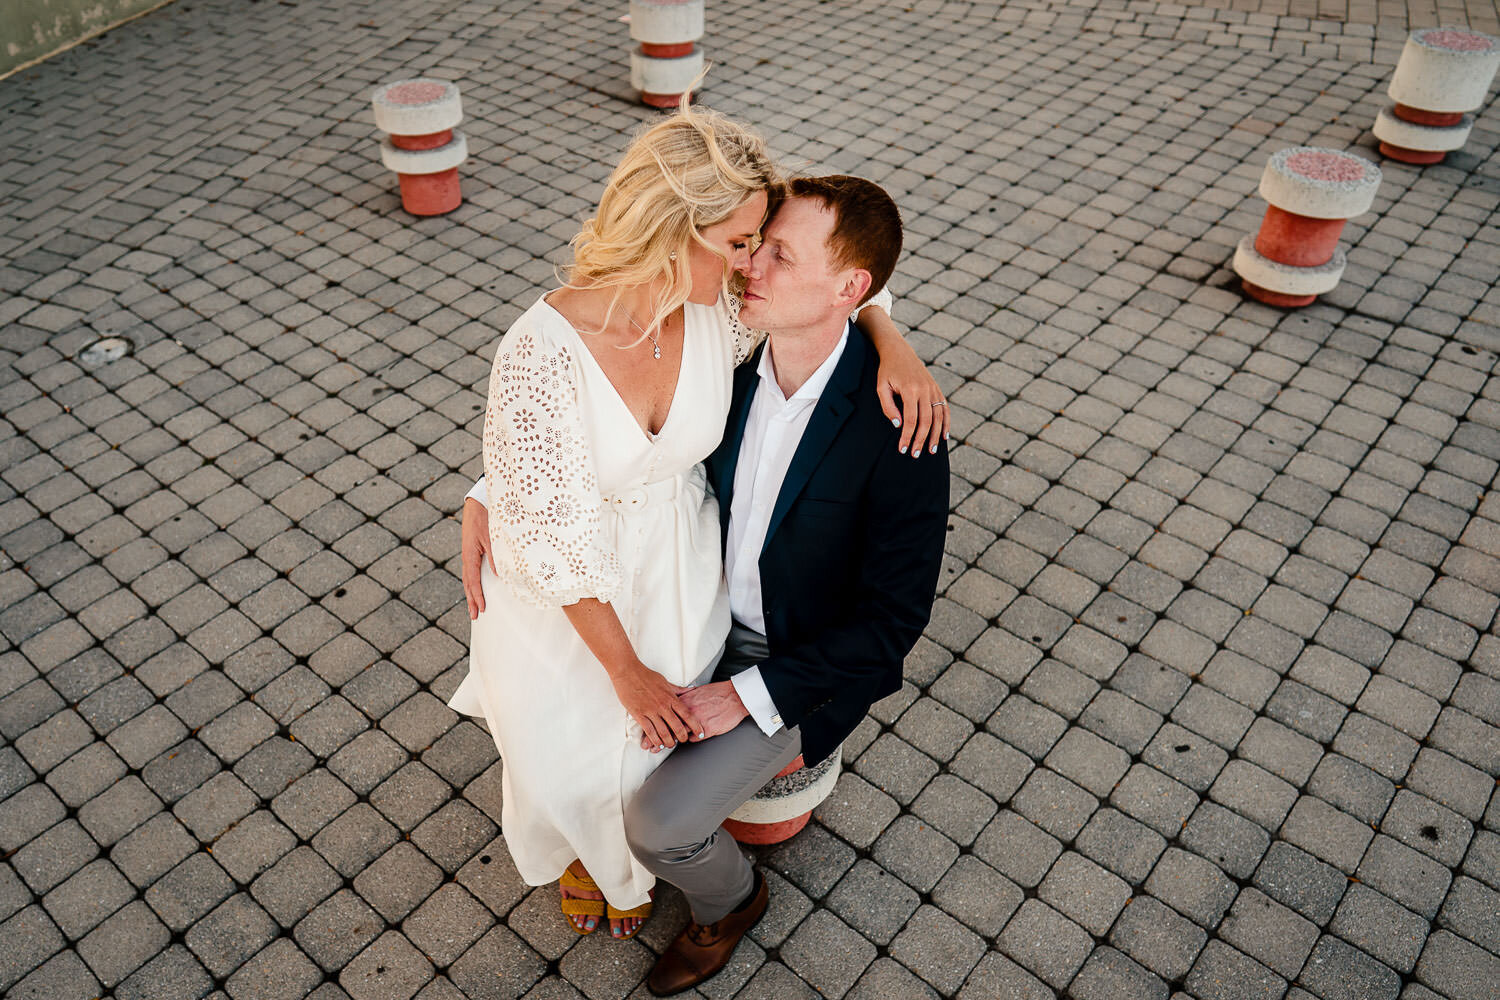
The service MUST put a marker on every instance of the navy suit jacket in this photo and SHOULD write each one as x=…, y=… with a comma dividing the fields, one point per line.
x=850, y=564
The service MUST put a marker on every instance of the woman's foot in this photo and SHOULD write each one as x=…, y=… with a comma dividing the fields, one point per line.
x=588, y=905
x=624, y=924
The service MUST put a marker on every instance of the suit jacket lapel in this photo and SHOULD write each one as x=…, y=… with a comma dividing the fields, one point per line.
x=832, y=409
x=745, y=382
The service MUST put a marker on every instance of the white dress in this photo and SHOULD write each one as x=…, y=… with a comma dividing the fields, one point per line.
x=584, y=503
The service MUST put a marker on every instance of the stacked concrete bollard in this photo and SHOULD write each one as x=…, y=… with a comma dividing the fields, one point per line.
x=785, y=805
x=667, y=62
x=1311, y=193
x=1443, y=74
x=421, y=145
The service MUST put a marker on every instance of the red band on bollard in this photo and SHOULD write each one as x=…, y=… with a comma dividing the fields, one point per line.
x=1416, y=157
x=766, y=833
x=676, y=50
x=432, y=141
x=770, y=833
x=1439, y=119
x=1277, y=299
x=661, y=100
x=1298, y=240
x=430, y=194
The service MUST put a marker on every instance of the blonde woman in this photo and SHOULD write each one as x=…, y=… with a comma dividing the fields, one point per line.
x=601, y=598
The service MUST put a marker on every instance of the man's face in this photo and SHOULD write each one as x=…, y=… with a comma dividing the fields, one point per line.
x=790, y=281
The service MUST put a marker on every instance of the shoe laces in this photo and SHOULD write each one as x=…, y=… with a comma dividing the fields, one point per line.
x=703, y=934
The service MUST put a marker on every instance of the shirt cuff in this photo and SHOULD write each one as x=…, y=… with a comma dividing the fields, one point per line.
x=751, y=688
x=480, y=492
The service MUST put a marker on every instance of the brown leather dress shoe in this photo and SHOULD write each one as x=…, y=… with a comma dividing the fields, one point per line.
x=701, y=951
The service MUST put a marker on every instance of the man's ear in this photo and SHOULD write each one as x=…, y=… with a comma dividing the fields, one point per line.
x=855, y=284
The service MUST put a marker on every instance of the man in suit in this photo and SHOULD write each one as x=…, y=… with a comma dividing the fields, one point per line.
x=833, y=540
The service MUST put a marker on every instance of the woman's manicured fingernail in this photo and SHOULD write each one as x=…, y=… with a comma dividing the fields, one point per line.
x=903, y=449
x=933, y=449
x=895, y=421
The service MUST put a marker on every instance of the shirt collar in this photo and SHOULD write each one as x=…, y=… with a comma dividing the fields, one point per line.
x=810, y=390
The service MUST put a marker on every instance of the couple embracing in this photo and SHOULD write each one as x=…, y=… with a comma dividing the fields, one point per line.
x=706, y=536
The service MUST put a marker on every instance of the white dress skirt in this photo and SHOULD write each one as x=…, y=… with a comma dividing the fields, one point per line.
x=584, y=503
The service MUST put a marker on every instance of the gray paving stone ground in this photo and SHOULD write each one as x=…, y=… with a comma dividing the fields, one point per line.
x=1210, y=702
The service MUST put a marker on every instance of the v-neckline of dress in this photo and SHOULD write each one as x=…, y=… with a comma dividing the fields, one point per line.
x=615, y=390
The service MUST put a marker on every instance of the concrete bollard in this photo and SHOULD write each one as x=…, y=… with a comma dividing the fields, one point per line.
x=421, y=145
x=667, y=61
x=1311, y=193
x=1443, y=74
x=785, y=805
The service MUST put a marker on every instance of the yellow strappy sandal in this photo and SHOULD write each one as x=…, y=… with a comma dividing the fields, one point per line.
x=574, y=907
x=641, y=912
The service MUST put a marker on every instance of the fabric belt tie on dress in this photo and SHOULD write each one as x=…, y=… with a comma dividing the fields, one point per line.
x=636, y=498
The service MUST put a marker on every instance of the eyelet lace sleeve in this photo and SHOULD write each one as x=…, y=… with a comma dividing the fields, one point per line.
x=747, y=340
x=544, y=501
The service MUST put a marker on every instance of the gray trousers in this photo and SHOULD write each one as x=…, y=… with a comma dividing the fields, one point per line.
x=673, y=823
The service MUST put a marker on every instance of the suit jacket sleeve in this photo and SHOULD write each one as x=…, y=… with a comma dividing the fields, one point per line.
x=901, y=550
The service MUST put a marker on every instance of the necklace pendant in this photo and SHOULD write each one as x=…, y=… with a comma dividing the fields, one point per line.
x=656, y=351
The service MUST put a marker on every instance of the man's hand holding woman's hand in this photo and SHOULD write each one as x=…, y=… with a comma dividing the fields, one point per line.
x=716, y=706
x=474, y=548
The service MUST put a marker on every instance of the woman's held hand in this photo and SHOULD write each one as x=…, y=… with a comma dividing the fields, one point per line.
x=475, y=547
x=652, y=702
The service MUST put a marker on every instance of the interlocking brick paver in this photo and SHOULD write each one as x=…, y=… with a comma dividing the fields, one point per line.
x=876, y=903
x=1269, y=932
x=189, y=891
x=886, y=978
x=289, y=889
x=64, y=975
x=337, y=929
x=1380, y=927
x=1456, y=968
x=1410, y=878
x=1045, y=942
x=827, y=953
x=391, y=967
x=1337, y=970
x=123, y=942
x=1157, y=938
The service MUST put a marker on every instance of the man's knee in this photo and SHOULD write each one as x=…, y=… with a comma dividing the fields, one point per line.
x=656, y=828
x=647, y=825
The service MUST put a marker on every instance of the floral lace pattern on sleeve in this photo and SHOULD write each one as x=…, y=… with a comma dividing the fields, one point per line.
x=745, y=339
x=543, y=495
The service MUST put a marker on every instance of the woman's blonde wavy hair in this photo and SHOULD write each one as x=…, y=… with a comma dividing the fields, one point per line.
x=678, y=176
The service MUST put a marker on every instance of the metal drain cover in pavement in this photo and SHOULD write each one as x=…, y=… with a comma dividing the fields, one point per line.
x=102, y=352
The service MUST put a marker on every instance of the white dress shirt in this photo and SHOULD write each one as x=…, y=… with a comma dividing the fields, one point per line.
x=773, y=430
